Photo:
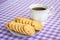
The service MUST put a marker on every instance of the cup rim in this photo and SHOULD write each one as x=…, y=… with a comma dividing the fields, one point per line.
x=38, y=5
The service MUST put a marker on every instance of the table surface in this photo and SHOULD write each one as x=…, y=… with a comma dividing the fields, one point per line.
x=10, y=9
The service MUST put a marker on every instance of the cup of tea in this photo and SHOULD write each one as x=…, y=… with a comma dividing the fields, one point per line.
x=39, y=12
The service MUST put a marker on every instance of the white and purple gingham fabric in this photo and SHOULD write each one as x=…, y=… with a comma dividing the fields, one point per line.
x=10, y=9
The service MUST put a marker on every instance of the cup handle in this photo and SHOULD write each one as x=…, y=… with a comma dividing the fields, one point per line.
x=51, y=11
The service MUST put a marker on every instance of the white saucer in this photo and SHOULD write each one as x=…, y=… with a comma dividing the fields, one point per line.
x=17, y=34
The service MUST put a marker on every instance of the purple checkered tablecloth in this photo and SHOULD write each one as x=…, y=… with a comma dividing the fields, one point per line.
x=10, y=9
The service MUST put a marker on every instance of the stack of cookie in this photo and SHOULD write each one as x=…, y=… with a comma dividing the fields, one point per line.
x=24, y=26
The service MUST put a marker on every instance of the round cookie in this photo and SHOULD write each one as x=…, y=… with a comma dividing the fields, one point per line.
x=18, y=20
x=15, y=20
x=17, y=26
x=14, y=27
x=29, y=30
x=20, y=29
x=23, y=32
x=10, y=25
x=24, y=21
x=30, y=21
x=21, y=20
x=37, y=25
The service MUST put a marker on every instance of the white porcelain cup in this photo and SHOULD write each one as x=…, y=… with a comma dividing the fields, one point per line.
x=40, y=15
